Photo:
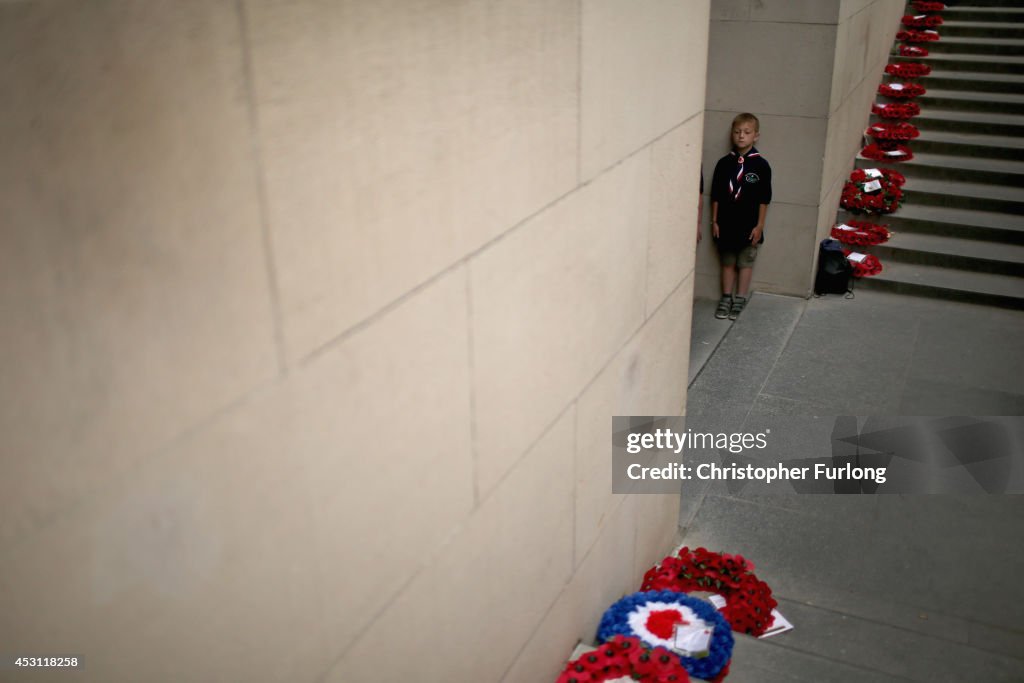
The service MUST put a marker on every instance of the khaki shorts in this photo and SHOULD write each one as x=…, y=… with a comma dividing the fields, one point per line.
x=743, y=259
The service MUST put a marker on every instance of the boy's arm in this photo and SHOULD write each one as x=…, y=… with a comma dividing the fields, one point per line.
x=714, y=219
x=762, y=213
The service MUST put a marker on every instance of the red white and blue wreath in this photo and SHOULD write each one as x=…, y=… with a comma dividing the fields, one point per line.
x=692, y=628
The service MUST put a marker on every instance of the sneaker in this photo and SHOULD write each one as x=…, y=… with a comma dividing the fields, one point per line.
x=738, y=302
x=722, y=312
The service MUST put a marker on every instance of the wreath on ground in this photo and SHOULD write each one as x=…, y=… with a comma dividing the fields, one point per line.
x=653, y=616
x=923, y=6
x=873, y=195
x=869, y=266
x=887, y=150
x=892, y=131
x=917, y=36
x=748, y=600
x=901, y=90
x=908, y=70
x=896, y=110
x=912, y=51
x=625, y=656
x=861, y=233
x=921, y=21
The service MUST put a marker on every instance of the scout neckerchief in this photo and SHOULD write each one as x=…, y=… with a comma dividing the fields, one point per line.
x=736, y=184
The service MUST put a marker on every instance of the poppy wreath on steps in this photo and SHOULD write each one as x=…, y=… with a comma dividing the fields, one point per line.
x=653, y=616
x=892, y=131
x=860, y=195
x=912, y=51
x=748, y=600
x=917, y=36
x=903, y=91
x=923, y=6
x=861, y=233
x=908, y=70
x=869, y=266
x=921, y=21
x=896, y=110
x=887, y=150
x=625, y=657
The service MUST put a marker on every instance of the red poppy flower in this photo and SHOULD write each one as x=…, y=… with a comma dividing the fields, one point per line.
x=576, y=673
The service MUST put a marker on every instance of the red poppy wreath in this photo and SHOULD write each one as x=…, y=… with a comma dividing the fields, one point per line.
x=887, y=150
x=896, y=110
x=749, y=601
x=873, y=195
x=924, y=6
x=908, y=70
x=904, y=91
x=625, y=657
x=912, y=51
x=861, y=233
x=869, y=265
x=917, y=36
x=921, y=21
x=892, y=131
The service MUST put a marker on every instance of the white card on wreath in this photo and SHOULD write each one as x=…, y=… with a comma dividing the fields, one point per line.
x=692, y=640
x=780, y=624
x=856, y=256
x=896, y=86
x=894, y=153
x=846, y=227
x=717, y=600
x=872, y=173
x=872, y=186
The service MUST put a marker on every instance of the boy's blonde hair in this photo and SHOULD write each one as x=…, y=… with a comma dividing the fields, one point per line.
x=747, y=117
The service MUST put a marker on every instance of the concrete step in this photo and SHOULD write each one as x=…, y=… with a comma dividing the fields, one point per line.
x=944, y=221
x=959, y=100
x=960, y=232
x=946, y=283
x=977, y=145
x=983, y=14
x=960, y=168
x=957, y=194
x=964, y=62
x=974, y=46
x=952, y=252
x=981, y=29
x=972, y=81
x=960, y=121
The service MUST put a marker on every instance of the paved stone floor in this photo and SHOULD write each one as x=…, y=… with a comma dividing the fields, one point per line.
x=879, y=588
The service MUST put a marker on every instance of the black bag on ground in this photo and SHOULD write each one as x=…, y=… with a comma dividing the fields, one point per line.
x=834, y=271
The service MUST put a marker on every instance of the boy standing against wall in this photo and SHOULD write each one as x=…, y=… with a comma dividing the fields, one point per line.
x=741, y=190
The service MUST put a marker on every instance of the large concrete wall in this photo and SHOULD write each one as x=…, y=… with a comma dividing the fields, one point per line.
x=809, y=71
x=315, y=315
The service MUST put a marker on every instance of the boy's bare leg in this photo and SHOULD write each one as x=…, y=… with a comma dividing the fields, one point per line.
x=746, y=275
x=728, y=279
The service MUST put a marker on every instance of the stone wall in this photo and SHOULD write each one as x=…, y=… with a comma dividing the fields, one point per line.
x=316, y=314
